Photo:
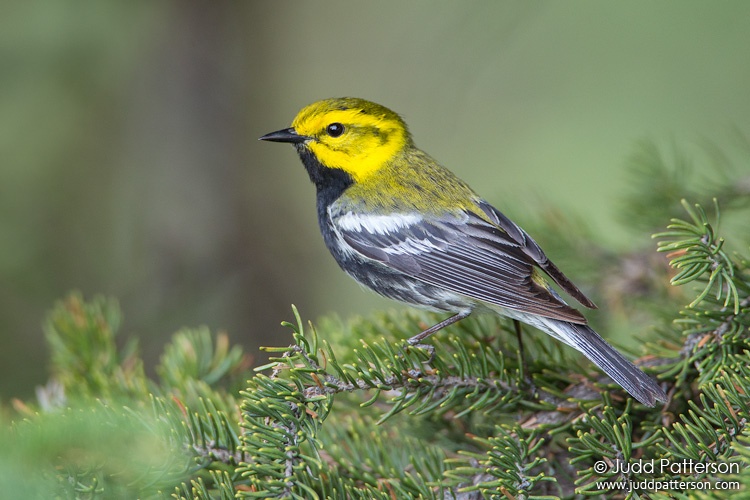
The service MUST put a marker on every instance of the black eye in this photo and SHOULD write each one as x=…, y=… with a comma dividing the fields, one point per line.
x=335, y=129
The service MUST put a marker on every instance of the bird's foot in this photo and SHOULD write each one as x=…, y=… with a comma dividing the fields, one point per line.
x=427, y=347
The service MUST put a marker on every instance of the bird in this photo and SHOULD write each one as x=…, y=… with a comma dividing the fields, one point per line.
x=403, y=225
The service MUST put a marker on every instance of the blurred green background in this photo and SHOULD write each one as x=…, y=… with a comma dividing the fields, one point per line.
x=130, y=164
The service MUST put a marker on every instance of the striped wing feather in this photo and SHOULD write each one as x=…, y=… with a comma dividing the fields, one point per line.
x=470, y=256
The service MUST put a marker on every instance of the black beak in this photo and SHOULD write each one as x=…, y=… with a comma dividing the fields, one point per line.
x=285, y=135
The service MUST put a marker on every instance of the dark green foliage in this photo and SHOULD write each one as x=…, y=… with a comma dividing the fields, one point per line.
x=85, y=359
x=349, y=410
x=106, y=431
x=504, y=464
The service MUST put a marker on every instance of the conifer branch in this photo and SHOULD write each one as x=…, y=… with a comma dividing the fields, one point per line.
x=357, y=416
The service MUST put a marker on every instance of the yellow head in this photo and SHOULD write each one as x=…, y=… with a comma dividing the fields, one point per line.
x=350, y=134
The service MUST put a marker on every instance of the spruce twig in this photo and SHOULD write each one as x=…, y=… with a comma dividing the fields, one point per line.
x=356, y=416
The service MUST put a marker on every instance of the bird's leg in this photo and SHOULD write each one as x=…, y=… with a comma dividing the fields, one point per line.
x=416, y=340
x=522, y=358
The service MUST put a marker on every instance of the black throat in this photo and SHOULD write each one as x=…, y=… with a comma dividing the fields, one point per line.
x=329, y=182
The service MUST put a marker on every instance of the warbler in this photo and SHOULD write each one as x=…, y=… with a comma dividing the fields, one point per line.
x=403, y=225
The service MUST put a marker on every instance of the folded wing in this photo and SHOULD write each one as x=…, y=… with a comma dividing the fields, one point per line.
x=490, y=261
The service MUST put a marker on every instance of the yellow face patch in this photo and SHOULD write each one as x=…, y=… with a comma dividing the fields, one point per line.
x=372, y=135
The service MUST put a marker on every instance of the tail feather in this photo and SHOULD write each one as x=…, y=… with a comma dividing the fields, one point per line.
x=593, y=346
